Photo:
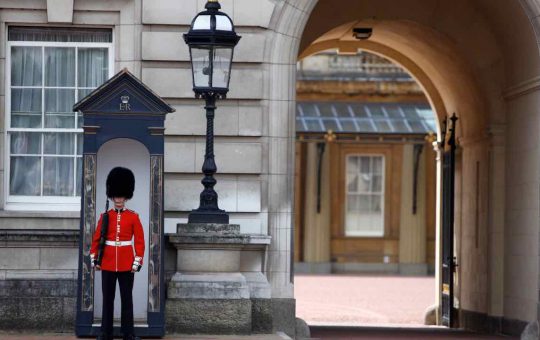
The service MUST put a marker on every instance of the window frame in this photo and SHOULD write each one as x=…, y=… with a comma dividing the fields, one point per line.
x=381, y=232
x=43, y=203
x=392, y=202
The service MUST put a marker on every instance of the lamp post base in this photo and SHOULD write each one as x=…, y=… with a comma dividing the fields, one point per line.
x=208, y=216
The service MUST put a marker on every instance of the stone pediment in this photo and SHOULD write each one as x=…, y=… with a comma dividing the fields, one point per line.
x=123, y=94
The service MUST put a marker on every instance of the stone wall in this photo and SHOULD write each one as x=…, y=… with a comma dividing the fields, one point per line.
x=38, y=279
x=252, y=149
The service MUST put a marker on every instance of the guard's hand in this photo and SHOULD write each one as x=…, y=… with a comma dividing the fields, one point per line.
x=98, y=267
x=136, y=266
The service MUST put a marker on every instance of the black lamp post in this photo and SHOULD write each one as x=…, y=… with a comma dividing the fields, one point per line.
x=211, y=39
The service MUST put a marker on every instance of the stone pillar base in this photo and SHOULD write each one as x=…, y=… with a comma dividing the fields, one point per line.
x=261, y=316
x=208, y=316
x=219, y=286
x=208, y=286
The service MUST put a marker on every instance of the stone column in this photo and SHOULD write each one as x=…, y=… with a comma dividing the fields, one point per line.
x=412, y=231
x=496, y=217
x=317, y=224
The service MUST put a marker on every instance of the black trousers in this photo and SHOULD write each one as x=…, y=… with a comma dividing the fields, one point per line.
x=108, y=287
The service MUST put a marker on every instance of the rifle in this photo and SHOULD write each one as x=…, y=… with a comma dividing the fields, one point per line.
x=103, y=235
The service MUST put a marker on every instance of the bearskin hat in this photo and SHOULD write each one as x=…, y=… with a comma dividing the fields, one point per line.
x=120, y=183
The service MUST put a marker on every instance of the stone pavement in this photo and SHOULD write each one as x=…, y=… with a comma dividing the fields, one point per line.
x=63, y=336
x=375, y=300
x=370, y=307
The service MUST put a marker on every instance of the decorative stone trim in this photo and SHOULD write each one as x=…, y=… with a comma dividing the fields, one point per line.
x=60, y=11
x=526, y=87
x=39, y=238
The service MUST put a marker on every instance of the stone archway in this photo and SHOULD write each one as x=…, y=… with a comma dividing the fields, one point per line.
x=507, y=92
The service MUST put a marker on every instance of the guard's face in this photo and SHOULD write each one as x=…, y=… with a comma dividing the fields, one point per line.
x=119, y=201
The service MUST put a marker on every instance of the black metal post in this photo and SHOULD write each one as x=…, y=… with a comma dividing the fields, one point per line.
x=208, y=211
x=417, y=152
x=448, y=311
x=320, y=149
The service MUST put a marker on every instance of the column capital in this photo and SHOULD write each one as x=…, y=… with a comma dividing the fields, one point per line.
x=497, y=134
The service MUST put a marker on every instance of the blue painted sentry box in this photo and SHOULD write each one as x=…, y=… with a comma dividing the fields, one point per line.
x=122, y=108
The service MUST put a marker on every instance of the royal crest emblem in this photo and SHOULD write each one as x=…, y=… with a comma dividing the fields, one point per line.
x=124, y=105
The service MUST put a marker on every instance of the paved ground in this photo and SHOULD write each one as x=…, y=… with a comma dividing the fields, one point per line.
x=374, y=333
x=363, y=299
x=53, y=336
x=370, y=307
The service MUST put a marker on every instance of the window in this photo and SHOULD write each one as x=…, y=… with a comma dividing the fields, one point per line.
x=48, y=71
x=364, y=211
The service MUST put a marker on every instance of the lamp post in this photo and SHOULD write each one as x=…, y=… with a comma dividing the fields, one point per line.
x=211, y=40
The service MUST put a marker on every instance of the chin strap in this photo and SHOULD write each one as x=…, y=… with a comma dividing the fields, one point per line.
x=137, y=264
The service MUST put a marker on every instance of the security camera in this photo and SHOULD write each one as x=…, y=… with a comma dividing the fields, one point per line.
x=362, y=33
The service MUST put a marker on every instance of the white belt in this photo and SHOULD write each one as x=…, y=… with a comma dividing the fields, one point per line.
x=118, y=243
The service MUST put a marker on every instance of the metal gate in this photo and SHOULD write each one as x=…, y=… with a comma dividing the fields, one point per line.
x=448, y=259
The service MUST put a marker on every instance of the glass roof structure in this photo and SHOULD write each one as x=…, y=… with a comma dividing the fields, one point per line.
x=354, y=117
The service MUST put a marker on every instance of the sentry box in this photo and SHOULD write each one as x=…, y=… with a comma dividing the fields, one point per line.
x=123, y=126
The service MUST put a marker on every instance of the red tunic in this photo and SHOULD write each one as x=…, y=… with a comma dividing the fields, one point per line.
x=128, y=226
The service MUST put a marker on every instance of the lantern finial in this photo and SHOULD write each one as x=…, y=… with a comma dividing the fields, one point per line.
x=212, y=5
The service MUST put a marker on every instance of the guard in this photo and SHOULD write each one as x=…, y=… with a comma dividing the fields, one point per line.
x=112, y=252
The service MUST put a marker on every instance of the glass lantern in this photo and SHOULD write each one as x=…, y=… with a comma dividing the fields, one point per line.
x=211, y=40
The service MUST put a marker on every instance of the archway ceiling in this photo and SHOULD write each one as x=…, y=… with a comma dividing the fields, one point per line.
x=445, y=79
x=448, y=46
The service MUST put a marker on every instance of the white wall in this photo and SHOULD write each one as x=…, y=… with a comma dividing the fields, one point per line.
x=133, y=155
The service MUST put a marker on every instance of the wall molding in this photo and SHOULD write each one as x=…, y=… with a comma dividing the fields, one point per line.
x=39, y=238
x=523, y=88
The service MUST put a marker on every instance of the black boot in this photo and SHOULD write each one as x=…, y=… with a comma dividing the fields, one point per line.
x=104, y=336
